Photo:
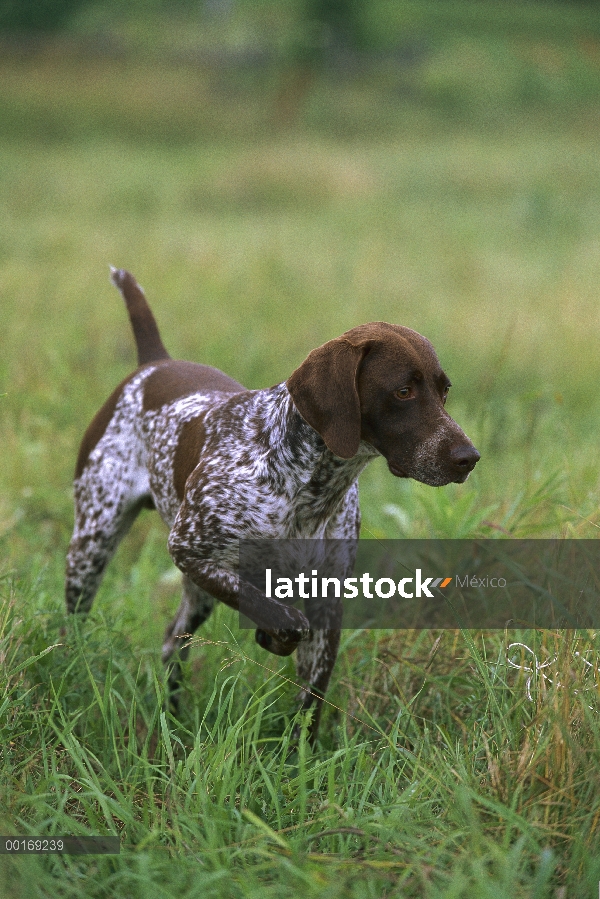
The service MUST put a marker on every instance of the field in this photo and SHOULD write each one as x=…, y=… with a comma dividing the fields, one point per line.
x=452, y=186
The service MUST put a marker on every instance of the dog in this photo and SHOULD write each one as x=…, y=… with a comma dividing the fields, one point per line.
x=220, y=463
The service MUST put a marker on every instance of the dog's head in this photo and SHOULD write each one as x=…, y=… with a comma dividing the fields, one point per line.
x=383, y=384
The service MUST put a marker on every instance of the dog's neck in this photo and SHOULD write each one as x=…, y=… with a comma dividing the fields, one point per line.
x=313, y=474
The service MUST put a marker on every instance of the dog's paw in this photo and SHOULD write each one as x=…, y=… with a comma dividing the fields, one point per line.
x=281, y=642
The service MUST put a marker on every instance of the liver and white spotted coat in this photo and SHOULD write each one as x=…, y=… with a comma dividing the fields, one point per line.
x=220, y=463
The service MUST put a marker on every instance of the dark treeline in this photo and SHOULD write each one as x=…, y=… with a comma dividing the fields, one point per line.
x=321, y=23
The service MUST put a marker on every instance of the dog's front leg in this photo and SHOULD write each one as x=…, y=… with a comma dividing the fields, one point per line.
x=280, y=628
x=316, y=657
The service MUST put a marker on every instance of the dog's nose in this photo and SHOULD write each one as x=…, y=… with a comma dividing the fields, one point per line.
x=465, y=457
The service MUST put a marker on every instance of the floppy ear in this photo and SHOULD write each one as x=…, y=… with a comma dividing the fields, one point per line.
x=325, y=394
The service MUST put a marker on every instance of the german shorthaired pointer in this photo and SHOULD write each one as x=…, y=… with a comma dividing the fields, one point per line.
x=219, y=462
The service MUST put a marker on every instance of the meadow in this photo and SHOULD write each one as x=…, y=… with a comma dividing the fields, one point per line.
x=452, y=186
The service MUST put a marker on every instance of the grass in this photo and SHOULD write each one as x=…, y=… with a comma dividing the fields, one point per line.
x=439, y=774
x=457, y=195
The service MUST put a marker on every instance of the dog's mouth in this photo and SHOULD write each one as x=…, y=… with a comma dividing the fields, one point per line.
x=434, y=478
x=461, y=478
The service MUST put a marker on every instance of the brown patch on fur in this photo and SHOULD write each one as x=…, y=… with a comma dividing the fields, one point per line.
x=173, y=380
x=324, y=391
x=189, y=447
x=98, y=426
x=325, y=388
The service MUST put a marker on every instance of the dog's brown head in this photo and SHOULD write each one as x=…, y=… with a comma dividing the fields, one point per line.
x=383, y=384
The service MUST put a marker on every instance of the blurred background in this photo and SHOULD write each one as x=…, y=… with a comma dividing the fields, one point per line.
x=274, y=173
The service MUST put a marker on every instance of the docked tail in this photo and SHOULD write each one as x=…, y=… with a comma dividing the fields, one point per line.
x=145, y=330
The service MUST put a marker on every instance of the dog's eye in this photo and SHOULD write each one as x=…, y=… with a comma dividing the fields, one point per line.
x=445, y=393
x=404, y=393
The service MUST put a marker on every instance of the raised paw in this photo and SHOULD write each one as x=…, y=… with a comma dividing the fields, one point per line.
x=281, y=642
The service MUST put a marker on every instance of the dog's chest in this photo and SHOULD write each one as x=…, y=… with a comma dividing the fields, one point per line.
x=234, y=494
x=249, y=479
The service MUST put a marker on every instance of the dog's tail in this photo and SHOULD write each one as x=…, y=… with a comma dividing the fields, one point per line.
x=150, y=347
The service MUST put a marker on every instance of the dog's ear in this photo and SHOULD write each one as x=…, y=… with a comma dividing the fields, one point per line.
x=324, y=390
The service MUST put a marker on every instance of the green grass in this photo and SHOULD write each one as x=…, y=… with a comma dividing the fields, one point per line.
x=458, y=195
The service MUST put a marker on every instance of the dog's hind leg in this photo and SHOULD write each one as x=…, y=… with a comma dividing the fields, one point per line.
x=196, y=605
x=105, y=509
